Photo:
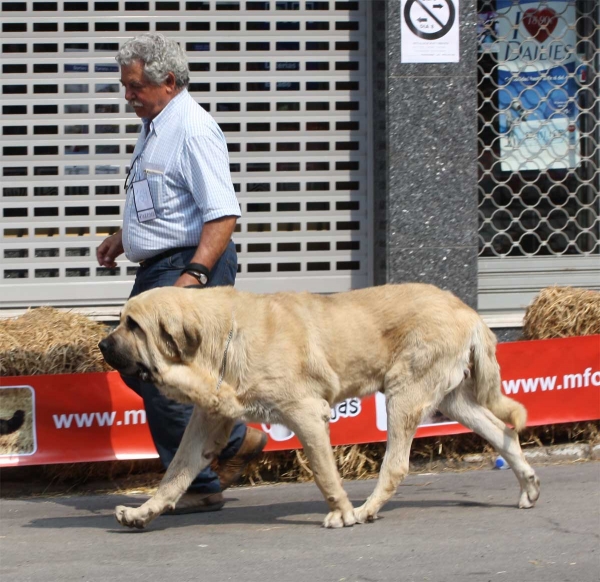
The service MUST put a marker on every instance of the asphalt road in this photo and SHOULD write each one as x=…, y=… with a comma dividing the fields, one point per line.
x=448, y=527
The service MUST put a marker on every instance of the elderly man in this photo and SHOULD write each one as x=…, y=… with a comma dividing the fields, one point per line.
x=180, y=213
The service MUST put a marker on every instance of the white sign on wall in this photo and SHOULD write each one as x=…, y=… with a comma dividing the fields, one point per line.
x=429, y=31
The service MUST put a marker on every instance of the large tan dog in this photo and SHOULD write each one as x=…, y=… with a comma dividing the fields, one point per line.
x=287, y=358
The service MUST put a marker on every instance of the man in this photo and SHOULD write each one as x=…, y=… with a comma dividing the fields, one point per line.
x=180, y=213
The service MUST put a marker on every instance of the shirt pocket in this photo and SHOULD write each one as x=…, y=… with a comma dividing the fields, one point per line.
x=156, y=184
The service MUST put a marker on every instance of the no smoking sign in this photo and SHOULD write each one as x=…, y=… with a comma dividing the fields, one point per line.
x=429, y=19
x=429, y=31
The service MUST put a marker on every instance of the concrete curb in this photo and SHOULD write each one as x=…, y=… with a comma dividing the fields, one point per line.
x=538, y=455
x=550, y=455
x=566, y=453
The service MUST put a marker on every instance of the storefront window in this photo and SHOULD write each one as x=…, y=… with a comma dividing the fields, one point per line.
x=539, y=118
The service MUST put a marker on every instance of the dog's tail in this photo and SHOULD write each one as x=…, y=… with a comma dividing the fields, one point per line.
x=486, y=373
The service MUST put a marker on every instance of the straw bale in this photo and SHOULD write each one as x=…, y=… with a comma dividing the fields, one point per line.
x=562, y=312
x=48, y=341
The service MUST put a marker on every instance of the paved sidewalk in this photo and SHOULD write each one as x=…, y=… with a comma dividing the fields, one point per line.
x=448, y=527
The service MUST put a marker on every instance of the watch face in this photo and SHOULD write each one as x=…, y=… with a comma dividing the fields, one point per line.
x=200, y=277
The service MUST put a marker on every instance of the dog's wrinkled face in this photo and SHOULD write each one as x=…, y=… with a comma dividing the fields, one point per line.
x=151, y=335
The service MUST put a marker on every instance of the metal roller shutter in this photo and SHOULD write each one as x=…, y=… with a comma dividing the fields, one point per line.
x=287, y=82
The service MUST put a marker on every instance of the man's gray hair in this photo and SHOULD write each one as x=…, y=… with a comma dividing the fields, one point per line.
x=160, y=56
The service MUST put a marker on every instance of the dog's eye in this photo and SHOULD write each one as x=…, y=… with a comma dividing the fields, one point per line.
x=131, y=323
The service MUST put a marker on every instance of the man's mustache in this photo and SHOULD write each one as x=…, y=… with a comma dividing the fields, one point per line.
x=135, y=104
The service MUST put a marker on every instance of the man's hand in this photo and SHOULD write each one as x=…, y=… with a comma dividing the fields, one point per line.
x=110, y=248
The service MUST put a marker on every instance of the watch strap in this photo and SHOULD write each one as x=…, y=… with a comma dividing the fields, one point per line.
x=197, y=270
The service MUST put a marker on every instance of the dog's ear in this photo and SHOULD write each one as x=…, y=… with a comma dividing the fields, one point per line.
x=179, y=340
x=190, y=340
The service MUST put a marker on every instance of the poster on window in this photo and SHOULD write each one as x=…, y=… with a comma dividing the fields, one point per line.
x=487, y=31
x=537, y=78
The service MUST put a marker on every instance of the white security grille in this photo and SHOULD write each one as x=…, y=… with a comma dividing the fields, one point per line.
x=287, y=82
x=539, y=125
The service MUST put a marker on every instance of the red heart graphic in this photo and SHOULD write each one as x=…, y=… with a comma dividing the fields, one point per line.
x=540, y=23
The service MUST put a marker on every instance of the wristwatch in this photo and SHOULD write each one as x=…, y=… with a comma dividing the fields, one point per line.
x=198, y=271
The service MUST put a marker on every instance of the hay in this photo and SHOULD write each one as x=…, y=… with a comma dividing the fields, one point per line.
x=48, y=341
x=430, y=453
x=562, y=312
x=353, y=461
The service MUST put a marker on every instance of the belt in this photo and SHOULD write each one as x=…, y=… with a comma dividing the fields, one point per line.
x=163, y=255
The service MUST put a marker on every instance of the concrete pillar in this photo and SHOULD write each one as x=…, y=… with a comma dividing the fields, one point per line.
x=425, y=160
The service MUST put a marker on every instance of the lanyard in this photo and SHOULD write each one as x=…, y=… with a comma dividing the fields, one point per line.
x=136, y=163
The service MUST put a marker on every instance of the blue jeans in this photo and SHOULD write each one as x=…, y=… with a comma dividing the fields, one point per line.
x=166, y=418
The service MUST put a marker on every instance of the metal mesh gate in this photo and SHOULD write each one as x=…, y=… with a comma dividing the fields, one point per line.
x=287, y=82
x=538, y=148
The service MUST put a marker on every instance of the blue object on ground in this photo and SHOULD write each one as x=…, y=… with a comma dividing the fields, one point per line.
x=500, y=463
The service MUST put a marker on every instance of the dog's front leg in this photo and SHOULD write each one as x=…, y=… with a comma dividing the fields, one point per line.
x=310, y=421
x=204, y=437
x=192, y=383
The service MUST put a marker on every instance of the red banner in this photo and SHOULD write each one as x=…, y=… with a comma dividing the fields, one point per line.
x=95, y=417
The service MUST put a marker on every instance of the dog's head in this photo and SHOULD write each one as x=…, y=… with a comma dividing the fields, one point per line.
x=154, y=332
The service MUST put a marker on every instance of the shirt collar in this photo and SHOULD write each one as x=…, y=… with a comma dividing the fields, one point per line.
x=163, y=117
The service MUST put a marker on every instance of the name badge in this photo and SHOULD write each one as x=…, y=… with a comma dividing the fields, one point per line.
x=142, y=198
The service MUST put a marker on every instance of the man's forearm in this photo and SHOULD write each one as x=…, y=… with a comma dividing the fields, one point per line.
x=215, y=237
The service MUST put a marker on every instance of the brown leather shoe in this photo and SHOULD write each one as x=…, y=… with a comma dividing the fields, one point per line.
x=231, y=470
x=197, y=503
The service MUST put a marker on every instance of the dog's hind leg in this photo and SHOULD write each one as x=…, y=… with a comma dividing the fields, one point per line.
x=204, y=437
x=405, y=408
x=309, y=419
x=461, y=406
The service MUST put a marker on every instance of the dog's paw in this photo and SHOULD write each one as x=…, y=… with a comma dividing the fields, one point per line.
x=337, y=518
x=364, y=515
x=530, y=492
x=133, y=517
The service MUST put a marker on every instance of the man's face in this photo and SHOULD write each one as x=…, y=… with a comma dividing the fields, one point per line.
x=147, y=99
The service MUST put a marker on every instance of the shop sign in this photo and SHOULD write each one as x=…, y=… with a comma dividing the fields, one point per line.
x=69, y=418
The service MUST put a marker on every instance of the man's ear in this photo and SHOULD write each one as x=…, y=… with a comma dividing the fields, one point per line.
x=179, y=340
x=170, y=82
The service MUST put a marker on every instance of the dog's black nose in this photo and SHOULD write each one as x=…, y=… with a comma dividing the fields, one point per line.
x=104, y=345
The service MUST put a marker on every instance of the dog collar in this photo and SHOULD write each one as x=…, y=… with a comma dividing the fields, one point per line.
x=224, y=365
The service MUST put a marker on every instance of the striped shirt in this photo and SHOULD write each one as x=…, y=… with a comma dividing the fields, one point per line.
x=183, y=155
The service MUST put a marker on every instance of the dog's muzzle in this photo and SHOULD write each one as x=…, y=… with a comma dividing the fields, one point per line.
x=115, y=358
x=108, y=348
